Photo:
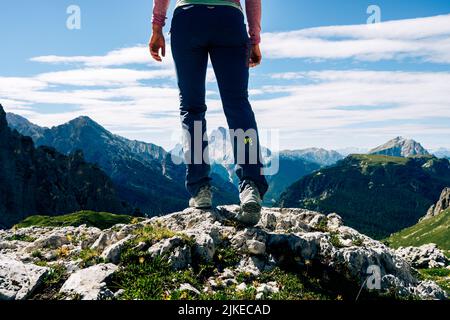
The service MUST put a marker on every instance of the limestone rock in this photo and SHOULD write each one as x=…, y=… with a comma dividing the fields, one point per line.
x=18, y=280
x=113, y=252
x=442, y=204
x=90, y=283
x=188, y=287
x=175, y=250
x=426, y=256
x=256, y=247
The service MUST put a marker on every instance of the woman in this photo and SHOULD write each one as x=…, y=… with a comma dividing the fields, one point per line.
x=215, y=28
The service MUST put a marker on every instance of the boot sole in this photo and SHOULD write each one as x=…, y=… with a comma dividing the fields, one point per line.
x=250, y=213
x=202, y=206
x=251, y=207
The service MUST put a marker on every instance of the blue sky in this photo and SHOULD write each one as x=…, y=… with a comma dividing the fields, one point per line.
x=327, y=79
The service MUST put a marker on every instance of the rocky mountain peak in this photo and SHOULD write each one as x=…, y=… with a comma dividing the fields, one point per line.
x=400, y=147
x=84, y=122
x=440, y=206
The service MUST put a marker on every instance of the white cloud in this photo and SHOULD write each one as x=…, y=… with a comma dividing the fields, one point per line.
x=328, y=109
x=423, y=38
x=103, y=76
x=138, y=54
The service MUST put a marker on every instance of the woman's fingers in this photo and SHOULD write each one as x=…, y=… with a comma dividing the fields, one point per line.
x=255, y=56
x=156, y=44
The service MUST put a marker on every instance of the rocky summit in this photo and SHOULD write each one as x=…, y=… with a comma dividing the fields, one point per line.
x=206, y=254
x=400, y=147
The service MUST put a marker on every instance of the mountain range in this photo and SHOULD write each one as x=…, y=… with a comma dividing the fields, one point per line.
x=144, y=174
x=44, y=181
x=395, y=182
x=376, y=194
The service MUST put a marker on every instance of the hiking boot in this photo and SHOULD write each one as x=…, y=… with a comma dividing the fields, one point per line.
x=203, y=199
x=250, y=205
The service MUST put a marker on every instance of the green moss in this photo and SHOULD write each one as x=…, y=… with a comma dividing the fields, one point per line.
x=21, y=237
x=102, y=220
x=432, y=230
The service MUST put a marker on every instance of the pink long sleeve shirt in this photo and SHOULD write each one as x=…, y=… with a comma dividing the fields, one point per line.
x=253, y=9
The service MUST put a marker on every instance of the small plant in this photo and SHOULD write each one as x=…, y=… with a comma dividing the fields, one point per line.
x=293, y=286
x=226, y=257
x=322, y=225
x=135, y=220
x=37, y=254
x=153, y=233
x=56, y=275
x=357, y=241
x=63, y=252
x=335, y=240
x=41, y=263
x=89, y=258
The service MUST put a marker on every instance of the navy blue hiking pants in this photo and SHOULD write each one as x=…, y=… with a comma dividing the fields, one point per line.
x=220, y=32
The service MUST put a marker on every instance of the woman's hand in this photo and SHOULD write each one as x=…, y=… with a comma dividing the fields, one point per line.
x=157, y=42
x=255, y=56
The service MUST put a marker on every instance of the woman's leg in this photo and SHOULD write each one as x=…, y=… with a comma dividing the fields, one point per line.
x=191, y=59
x=229, y=51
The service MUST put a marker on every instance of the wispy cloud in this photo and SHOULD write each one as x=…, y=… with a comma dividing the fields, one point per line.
x=421, y=38
x=103, y=76
x=138, y=54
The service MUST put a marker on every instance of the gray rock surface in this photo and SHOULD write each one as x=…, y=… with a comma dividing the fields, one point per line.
x=426, y=256
x=442, y=204
x=18, y=280
x=300, y=238
x=90, y=283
